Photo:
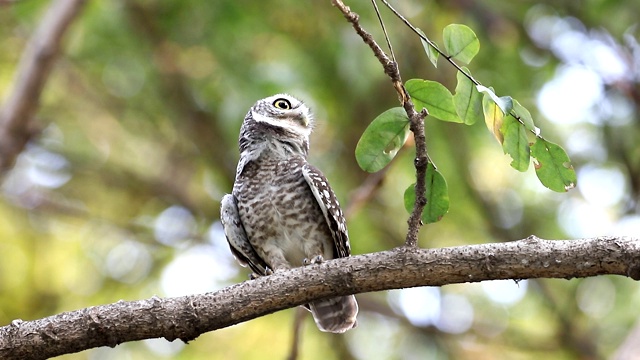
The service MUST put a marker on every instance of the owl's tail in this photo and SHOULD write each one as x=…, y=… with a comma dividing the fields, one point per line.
x=335, y=315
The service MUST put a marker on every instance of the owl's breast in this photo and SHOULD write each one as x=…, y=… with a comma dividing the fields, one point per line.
x=279, y=212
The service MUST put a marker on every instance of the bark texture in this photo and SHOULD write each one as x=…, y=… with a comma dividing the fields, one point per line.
x=187, y=317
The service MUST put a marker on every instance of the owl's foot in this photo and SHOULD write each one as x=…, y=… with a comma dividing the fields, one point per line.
x=267, y=272
x=316, y=260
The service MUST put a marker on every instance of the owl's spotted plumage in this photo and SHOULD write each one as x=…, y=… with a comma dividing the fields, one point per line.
x=282, y=212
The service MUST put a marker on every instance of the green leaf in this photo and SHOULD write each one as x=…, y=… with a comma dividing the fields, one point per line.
x=410, y=198
x=437, y=196
x=524, y=115
x=553, y=166
x=461, y=42
x=493, y=116
x=467, y=100
x=515, y=143
x=505, y=103
x=432, y=54
x=382, y=139
x=433, y=96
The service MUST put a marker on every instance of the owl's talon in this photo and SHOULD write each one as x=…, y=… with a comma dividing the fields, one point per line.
x=253, y=276
x=268, y=271
x=317, y=259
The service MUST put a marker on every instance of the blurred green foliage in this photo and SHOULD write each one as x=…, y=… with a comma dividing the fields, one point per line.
x=118, y=197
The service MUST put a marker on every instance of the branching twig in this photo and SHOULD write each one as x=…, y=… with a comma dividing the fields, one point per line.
x=431, y=43
x=390, y=68
x=384, y=31
x=33, y=71
x=416, y=122
x=189, y=316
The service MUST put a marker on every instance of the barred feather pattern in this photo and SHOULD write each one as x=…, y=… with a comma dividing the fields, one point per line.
x=282, y=212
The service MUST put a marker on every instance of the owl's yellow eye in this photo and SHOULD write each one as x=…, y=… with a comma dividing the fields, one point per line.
x=283, y=104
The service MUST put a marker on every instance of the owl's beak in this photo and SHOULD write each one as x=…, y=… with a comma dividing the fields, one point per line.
x=303, y=119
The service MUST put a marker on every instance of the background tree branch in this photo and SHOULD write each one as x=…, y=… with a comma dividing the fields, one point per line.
x=188, y=317
x=34, y=68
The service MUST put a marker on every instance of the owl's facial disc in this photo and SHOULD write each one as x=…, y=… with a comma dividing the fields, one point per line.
x=288, y=108
x=284, y=110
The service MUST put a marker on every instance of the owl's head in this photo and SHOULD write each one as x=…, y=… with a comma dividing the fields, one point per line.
x=283, y=111
x=281, y=122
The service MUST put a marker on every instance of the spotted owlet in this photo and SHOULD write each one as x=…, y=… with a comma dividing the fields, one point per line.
x=282, y=212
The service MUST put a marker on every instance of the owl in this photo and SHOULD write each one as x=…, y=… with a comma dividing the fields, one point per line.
x=282, y=213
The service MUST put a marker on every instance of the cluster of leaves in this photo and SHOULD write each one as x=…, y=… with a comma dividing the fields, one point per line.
x=509, y=121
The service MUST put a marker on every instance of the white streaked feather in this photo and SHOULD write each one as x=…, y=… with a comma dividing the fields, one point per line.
x=305, y=131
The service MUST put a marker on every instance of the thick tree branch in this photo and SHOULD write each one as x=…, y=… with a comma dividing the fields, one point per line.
x=189, y=316
x=33, y=71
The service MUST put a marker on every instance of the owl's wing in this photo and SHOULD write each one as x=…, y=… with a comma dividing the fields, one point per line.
x=237, y=236
x=330, y=208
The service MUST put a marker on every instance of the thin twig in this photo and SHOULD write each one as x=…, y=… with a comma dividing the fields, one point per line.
x=416, y=120
x=389, y=66
x=431, y=43
x=449, y=58
x=298, y=321
x=384, y=30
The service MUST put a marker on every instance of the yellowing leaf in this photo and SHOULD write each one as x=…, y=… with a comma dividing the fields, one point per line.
x=493, y=117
